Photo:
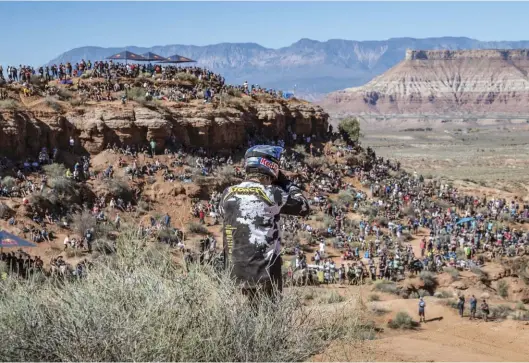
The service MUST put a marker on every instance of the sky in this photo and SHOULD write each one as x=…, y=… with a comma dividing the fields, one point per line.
x=36, y=32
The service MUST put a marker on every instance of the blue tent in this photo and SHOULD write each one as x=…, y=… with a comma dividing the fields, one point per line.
x=464, y=220
x=10, y=240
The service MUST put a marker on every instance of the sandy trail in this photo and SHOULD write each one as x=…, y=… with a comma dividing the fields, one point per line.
x=444, y=338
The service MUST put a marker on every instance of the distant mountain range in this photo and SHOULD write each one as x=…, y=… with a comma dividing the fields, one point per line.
x=311, y=68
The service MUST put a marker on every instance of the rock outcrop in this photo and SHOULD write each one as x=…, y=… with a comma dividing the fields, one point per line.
x=24, y=131
x=443, y=82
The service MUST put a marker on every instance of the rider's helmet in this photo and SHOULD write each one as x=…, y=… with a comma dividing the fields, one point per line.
x=263, y=159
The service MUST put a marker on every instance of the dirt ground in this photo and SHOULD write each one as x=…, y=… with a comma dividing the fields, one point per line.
x=484, y=160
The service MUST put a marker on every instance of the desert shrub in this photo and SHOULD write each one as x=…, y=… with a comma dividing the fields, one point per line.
x=412, y=295
x=521, y=306
x=78, y=102
x=9, y=182
x=83, y=221
x=66, y=188
x=423, y=293
x=453, y=272
x=103, y=245
x=225, y=176
x=369, y=211
x=350, y=128
x=309, y=295
x=378, y=310
x=482, y=275
x=402, y=321
x=197, y=228
x=143, y=206
x=316, y=162
x=520, y=315
x=373, y=297
x=64, y=94
x=345, y=197
x=333, y=298
x=386, y=286
x=500, y=311
x=137, y=305
x=9, y=105
x=182, y=76
x=443, y=294
x=328, y=221
x=136, y=93
x=382, y=221
x=503, y=289
x=300, y=149
x=5, y=211
x=53, y=104
x=119, y=189
x=54, y=170
x=429, y=280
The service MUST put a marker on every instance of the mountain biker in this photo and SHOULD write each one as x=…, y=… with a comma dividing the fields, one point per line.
x=251, y=212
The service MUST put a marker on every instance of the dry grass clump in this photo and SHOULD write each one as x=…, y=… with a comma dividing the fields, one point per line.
x=136, y=305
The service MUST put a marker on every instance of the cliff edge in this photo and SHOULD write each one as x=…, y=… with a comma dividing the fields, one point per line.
x=29, y=123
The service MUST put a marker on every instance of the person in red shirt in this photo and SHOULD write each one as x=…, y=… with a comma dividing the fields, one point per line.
x=201, y=215
x=423, y=246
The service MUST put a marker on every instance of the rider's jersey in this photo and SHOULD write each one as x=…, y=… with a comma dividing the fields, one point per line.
x=251, y=233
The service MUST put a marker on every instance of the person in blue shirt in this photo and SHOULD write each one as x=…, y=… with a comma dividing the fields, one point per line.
x=422, y=306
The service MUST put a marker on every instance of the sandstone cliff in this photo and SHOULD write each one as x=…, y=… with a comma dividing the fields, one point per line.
x=23, y=131
x=443, y=82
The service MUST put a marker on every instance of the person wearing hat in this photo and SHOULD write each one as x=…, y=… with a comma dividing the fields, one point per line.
x=251, y=211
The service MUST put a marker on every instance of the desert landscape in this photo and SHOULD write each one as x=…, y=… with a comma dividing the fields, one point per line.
x=408, y=160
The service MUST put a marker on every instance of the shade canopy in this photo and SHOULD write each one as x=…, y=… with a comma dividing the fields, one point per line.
x=150, y=56
x=126, y=55
x=10, y=240
x=177, y=59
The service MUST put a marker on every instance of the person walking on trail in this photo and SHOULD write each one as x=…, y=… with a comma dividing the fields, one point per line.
x=485, y=310
x=251, y=211
x=422, y=306
x=473, y=306
x=461, y=305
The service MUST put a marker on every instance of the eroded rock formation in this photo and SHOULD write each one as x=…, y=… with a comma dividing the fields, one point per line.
x=24, y=132
x=443, y=82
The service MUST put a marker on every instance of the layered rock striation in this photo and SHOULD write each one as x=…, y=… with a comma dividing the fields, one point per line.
x=443, y=82
x=25, y=131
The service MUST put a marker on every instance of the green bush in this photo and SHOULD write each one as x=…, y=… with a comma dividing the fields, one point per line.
x=137, y=306
x=453, y=272
x=9, y=105
x=9, y=182
x=119, y=189
x=386, y=286
x=197, y=228
x=503, y=289
x=333, y=298
x=443, y=294
x=54, y=170
x=402, y=321
x=373, y=297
